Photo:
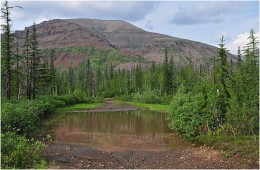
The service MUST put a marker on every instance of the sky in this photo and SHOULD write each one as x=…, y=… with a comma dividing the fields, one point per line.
x=203, y=21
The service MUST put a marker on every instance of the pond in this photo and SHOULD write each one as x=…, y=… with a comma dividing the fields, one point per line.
x=111, y=131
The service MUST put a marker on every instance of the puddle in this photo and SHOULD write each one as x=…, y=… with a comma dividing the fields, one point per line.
x=112, y=131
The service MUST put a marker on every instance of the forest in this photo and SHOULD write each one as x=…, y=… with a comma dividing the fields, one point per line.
x=215, y=99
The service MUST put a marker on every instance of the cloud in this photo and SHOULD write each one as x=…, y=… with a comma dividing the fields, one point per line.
x=205, y=12
x=195, y=20
x=241, y=40
x=216, y=39
x=149, y=25
x=129, y=11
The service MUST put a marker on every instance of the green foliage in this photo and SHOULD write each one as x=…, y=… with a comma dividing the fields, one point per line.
x=243, y=113
x=167, y=75
x=222, y=83
x=6, y=48
x=246, y=145
x=152, y=106
x=79, y=106
x=186, y=113
x=138, y=79
x=148, y=96
x=225, y=103
x=17, y=152
x=22, y=116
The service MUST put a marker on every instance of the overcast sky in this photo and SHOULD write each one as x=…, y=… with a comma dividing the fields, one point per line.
x=203, y=21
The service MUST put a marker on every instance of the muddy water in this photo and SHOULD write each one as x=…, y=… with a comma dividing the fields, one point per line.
x=122, y=130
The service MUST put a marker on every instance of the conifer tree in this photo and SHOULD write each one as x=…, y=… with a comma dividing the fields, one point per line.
x=252, y=46
x=6, y=49
x=153, y=80
x=168, y=75
x=71, y=78
x=128, y=83
x=138, y=79
x=222, y=80
x=239, y=60
x=35, y=61
x=52, y=74
x=99, y=81
x=17, y=68
x=107, y=80
x=172, y=76
x=43, y=78
x=26, y=55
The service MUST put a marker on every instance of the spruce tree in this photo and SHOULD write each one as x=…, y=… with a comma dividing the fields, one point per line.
x=168, y=69
x=239, y=55
x=172, y=76
x=17, y=68
x=252, y=46
x=99, y=80
x=35, y=61
x=138, y=79
x=52, y=74
x=153, y=80
x=6, y=49
x=43, y=78
x=70, y=78
x=27, y=72
x=222, y=83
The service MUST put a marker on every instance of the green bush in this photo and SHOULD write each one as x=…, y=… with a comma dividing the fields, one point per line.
x=184, y=116
x=51, y=102
x=244, y=118
x=149, y=97
x=18, y=152
x=22, y=117
x=189, y=113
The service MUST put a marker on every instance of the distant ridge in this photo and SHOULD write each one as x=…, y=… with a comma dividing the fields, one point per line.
x=125, y=42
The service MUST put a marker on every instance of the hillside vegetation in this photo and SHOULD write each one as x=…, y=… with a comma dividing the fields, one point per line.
x=124, y=39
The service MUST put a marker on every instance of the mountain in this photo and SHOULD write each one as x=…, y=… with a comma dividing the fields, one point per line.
x=115, y=41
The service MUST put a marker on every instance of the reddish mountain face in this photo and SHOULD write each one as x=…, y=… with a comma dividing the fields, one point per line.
x=114, y=41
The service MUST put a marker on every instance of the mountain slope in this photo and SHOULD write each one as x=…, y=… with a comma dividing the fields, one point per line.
x=114, y=41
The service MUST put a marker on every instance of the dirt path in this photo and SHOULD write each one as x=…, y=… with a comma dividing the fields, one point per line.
x=75, y=156
x=108, y=106
x=69, y=156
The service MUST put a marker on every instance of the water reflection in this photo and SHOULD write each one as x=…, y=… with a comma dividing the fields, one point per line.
x=127, y=130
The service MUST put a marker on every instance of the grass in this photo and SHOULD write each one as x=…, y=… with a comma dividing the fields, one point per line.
x=245, y=145
x=79, y=106
x=153, y=107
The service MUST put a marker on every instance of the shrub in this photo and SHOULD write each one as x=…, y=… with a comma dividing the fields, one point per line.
x=51, y=102
x=148, y=96
x=18, y=152
x=22, y=117
x=187, y=114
